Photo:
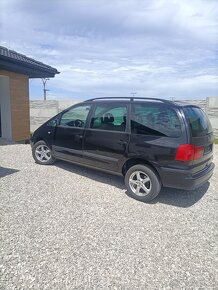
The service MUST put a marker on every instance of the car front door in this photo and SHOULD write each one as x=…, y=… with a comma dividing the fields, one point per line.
x=68, y=136
x=107, y=138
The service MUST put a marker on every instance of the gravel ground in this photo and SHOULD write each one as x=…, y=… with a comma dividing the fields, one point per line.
x=67, y=227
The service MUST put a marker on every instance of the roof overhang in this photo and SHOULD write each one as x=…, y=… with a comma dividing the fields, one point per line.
x=19, y=63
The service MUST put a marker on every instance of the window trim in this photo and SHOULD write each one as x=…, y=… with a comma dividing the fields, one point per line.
x=110, y=131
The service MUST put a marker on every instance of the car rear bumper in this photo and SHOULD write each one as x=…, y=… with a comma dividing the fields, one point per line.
x=185, y=179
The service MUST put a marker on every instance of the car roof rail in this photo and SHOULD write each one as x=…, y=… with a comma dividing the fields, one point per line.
x=131, y=99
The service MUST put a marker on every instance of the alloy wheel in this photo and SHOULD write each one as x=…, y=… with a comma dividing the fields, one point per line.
x=140, y=183
x=43, y=153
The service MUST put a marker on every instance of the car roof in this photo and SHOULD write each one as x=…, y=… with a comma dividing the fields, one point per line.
x=127, y=98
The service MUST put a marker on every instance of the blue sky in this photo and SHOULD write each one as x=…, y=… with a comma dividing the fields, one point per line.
x=161, y=48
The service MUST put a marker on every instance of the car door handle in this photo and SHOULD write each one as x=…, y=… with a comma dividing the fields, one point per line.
x=78, y=138
x=122, y=142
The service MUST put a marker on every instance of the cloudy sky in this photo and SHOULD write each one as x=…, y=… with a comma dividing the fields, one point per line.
x=156, y=48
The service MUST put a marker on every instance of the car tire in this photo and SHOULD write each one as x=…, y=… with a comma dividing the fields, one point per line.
x=142, y=183
x=42, y=153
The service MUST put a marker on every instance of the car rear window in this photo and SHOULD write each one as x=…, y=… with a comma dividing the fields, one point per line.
x=155, y=119
x=198, y=121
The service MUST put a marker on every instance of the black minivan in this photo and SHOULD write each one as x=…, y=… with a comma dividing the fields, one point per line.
x=151, y=142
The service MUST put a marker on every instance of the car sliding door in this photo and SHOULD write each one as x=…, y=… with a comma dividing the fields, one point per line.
x=106, y=140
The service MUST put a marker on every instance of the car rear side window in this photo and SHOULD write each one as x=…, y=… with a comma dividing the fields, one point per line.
x=198, y=121
x=109, y=117
x=154, y=119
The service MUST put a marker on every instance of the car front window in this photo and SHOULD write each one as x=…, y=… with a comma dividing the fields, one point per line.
x=75, y=117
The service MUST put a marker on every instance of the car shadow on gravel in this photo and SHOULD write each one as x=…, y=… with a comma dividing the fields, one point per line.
x=170, y=196
x=180, y=198
x=7, y=171
x=93, y=174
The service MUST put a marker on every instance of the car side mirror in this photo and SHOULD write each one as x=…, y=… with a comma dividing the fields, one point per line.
x=53, y=123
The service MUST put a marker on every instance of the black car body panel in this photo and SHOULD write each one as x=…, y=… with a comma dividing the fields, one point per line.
x=105, y=149
x=123, y=141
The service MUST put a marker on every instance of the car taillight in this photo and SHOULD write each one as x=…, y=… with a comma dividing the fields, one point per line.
x=189, y=152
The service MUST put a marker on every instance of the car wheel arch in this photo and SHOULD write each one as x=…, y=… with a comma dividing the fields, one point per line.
x=137, y=160
x=39, y=138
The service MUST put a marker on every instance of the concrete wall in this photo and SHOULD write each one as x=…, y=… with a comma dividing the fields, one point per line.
x=200, y=103
x=212, y=112
x=41, y=111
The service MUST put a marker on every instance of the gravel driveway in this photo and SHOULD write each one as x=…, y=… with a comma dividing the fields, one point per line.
x=67, y=227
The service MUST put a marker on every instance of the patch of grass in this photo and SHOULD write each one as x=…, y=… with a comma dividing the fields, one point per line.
x=216, y=141
x=21, y=142
x=26, y=141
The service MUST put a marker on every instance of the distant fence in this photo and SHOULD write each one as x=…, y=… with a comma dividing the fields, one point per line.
x=41, y=111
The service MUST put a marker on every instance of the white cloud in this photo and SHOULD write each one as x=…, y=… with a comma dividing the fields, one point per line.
x=114, y=47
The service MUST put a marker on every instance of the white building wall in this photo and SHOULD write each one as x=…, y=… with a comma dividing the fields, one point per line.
x=5, y=106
